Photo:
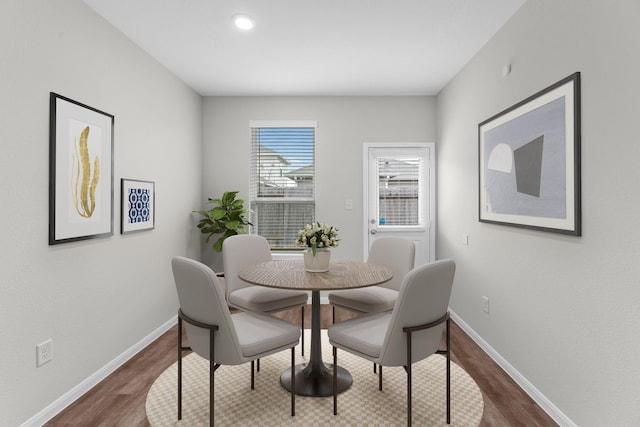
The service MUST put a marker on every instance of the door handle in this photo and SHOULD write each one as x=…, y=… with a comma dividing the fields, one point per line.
x=373, y=231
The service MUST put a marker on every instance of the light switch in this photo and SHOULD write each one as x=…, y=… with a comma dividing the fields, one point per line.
x=465, y=239
x=348, y=204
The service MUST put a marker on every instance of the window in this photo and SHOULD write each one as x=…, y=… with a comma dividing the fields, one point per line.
x=398, y=191
x=282, y=187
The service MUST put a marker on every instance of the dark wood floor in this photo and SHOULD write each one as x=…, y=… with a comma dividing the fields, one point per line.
x=119, y=400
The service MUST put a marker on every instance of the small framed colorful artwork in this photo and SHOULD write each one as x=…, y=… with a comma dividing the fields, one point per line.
x=138, y=206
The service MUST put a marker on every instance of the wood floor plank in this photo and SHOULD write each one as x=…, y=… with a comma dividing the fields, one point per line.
x=119, y=400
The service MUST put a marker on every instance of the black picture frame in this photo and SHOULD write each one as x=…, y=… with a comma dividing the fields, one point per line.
x=529, y=162
x=80, y=171
x=138, y=202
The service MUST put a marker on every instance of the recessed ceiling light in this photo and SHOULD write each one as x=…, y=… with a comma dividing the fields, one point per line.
x=243, y=22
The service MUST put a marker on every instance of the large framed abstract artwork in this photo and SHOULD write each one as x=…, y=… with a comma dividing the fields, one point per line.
x=80, y=171
x=529, y=162
x=138, y=206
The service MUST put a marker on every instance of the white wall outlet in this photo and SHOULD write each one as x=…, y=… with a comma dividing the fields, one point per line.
x=44, y=353
x=485, y=304
x=348, y=204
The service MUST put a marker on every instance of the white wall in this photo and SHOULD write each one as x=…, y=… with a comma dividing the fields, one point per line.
x=96, y=298
x=565, y=311
x=344, y=124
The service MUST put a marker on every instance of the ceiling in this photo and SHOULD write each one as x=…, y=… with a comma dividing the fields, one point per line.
x=306, y=47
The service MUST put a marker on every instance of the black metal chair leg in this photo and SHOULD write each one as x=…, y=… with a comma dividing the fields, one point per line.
x=212, y=363
x=179, y=368
x=448, y=376
x=380, y=378
x=335, y=381
x=408, y=369
x=212, y=376
x=409, y=395
x=302, y=327
x=293, y=381
x=252, y=376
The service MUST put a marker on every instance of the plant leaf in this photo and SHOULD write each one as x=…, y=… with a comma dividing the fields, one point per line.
x=218, y=213
x=232, y=225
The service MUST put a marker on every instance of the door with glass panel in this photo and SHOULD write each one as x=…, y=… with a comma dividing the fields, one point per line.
x=399, y=195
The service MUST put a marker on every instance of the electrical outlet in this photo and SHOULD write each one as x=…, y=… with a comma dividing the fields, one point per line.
x=485, y=304
x=44, y=353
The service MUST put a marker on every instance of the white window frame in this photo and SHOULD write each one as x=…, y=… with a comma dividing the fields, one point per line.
x=253, y=185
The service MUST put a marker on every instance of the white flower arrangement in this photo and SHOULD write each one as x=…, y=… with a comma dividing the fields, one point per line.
x=318, y=235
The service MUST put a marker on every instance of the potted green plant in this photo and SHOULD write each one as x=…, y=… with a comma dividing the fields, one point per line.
x=226, y=218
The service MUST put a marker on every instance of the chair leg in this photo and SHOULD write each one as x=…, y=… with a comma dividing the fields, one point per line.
x=179, y=367
x=448, y=377
x=333, y=314
x=408, y=369
x=212, y=376
x=408, y=395
x=258, y=365
x=293, y=381
x=380, y=378
x=335, y=381
x=374, y=368
x=302, y=328
x=252, y=376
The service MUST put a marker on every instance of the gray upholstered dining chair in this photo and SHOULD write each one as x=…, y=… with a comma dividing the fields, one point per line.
x=241, y=251
x=397, y=254
x=412, y=331
x=217, y=335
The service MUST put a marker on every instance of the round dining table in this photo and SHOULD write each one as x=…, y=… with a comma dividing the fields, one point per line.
x=315, y=378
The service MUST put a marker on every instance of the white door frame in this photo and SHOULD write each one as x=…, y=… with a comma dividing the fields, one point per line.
x=431, y=220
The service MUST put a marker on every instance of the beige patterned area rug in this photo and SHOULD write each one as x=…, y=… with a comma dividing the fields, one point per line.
x=269, y=404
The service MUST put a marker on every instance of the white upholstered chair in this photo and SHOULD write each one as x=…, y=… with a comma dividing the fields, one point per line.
x=241, y=251
x=409, y=333
x=395, y=253
x=217, y=335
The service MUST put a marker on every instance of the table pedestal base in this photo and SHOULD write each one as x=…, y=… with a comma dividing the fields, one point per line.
x=316, y=382
x=315, y=378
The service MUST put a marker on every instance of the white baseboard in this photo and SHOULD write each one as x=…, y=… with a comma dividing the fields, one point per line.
x=546, y=405
x=72, y=395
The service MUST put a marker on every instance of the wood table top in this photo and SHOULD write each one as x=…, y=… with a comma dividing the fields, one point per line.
x=292, y=275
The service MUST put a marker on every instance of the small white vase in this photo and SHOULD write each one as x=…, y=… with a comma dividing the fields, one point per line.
x=318, y=263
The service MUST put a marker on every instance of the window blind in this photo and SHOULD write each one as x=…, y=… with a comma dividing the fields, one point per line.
x=399, y=191
x=282, y=180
